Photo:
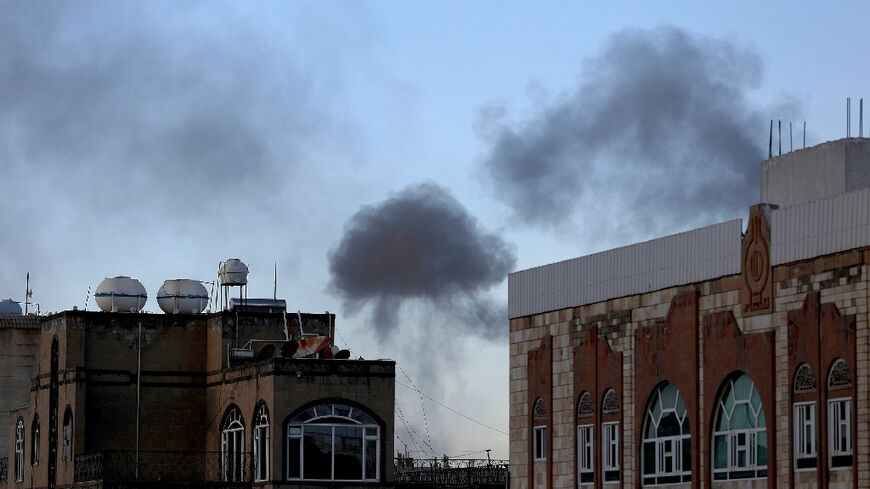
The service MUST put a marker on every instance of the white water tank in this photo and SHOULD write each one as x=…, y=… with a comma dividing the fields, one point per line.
x=120, y=294
x=182, y=296
x=8, y=306
x=233, y=272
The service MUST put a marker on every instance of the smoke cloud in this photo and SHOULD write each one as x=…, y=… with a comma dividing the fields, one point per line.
x=421, y=244
x=659, y=129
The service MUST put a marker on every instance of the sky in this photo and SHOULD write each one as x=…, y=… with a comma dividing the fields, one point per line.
x=395, y=159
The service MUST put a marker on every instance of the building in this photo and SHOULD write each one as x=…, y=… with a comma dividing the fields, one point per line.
x=114, y=399
x=731, y=356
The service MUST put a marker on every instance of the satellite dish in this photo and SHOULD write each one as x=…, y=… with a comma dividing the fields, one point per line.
x=289, y=348
x=266, y=352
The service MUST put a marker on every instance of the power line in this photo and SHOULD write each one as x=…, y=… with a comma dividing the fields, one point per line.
x=422, y=408
x=454, y=411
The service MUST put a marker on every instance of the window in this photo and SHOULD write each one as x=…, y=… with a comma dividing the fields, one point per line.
x=840, y=432
x=34, y=441
x=233, y=445
x=805, y=436
x=333, y=442
x=667, y=439
x=66, y=453
x=585, y=467
x=19, y=451
x=739, y=432
x=261, y=443
x=540, y=443
x=610, y=452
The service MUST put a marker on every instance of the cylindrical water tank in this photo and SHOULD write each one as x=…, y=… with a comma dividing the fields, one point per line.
x=233, y=272
x=120, y=294
x=8, y=306
x=182, y=296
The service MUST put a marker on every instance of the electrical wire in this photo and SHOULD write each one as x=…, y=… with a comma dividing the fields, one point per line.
x=454, y=411
x=422, y=408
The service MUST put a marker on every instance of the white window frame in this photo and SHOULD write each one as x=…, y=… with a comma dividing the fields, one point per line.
x=370, y=432
x=804, y=415
x=34, y=444
x=732, y=436
x=661, y=444
x=835, y=427
x=609, y=450
x=540, y=443
x=233, y=447
x=585, y=453
x=19, y=451
x=261, y=437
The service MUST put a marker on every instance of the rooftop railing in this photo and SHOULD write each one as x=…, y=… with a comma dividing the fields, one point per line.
x=452, y=472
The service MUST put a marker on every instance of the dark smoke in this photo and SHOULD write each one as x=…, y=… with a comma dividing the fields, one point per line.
x=421, y=244
x=659, y=129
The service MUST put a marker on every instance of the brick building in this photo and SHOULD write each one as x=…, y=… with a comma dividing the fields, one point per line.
x=78, y=399
x=729, y=356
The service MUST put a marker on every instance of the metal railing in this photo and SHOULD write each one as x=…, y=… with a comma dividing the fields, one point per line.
x=4, y=467
x=160, y=466
x=455, y=472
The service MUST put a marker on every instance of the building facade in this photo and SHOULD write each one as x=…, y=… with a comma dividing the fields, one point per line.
x=114, y=399
x=729, y=356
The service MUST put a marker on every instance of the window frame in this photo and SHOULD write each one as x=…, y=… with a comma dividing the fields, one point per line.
x=800, y=423
x=585, y=459
x=34, y=443
x=294, y=432
x=261, y=432
x=733, y=447
x=233, y=446
x=19, y=450
x=66, y=436
x=678, y=471
x=610, y=452
x=540, y=443
x=834, y=432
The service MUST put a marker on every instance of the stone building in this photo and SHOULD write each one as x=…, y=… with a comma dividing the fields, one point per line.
x=85, y=405
x=731, y=356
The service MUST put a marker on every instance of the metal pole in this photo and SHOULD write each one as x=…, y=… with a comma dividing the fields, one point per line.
x=138, y=394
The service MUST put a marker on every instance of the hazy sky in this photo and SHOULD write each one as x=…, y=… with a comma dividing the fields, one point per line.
x=396, y=159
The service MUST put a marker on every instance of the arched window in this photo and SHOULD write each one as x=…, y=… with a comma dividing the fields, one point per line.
x=66, y=453
x=804, y=379
x=840, y=414
x=739, y=431
x=262, y=450
x=585, y=440
x=333, y=442
x=804, y=420
x=539, y=430
x=34, y=441
x=19, y=450
x=667, y=438
x=233, y=445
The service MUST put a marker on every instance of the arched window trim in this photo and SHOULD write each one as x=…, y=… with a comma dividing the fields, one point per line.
x=332, y=415
x=747, y=443
x=610, y=402
x=665, y=453
x=262, y=443
x=839, y=375
x=233, y=445
x=19, y=450
x=540, y=409
x=585, y=406
x=804, y=379
x=34, y=441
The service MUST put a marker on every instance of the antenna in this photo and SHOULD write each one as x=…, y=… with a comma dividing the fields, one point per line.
x=848, y=117
x=27, y=293
x=790, y=140
x=87, y=297
x=805, y=134
x=861, y=118
x=275, y=285
x=770, y=142
x=779, y=128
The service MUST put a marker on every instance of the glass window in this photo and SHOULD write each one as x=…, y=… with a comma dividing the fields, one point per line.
x=333, y=442
x=804, y=436
x=34, y=443
x=740, y=433
x=610, y=452
x=585, y=467
x=233, y=445
x=840, y=432
x=19, y=451
x=66, y=453
x=261, y=443
x=667, y=442
x=540, y=443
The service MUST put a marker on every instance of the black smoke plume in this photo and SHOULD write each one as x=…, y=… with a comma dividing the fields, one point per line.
x=658, y=129
x=421, y=244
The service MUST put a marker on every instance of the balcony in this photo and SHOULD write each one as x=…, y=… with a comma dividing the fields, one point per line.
x=164, y=467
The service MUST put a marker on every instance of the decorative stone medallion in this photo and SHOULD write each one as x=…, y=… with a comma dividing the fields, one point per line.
x=756, y=286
